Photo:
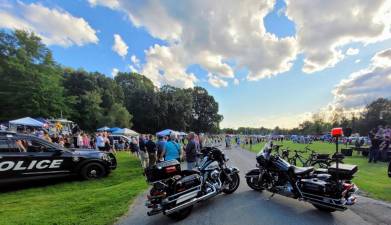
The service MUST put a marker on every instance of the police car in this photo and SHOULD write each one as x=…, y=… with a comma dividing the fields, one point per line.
x=26, y=157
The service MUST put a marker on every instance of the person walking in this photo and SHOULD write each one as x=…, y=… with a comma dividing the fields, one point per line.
x=143, y=151
x=172, y=149
x=191, y=151
x=151, y=149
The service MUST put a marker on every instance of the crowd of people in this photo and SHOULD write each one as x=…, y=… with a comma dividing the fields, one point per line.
x=168, y=147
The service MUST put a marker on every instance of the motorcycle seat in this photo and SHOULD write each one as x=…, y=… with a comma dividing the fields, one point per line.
x=302, y=170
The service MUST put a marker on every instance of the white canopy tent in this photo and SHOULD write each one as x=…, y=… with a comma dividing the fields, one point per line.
x=126, y=131
x=27, y=121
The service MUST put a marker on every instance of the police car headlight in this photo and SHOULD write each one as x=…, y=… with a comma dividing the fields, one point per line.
x=106, y=157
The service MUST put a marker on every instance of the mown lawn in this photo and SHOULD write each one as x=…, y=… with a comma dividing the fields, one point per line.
x=371, y=178
x=76, y=202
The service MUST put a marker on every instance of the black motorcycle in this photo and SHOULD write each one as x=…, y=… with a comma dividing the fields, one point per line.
x=328, y=189
x=175, y=191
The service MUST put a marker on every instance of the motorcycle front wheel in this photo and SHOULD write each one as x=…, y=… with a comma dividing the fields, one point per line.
x=253, y=183
x=233, y=185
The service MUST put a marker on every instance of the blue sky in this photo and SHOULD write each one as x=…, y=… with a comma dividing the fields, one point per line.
x=292, y=72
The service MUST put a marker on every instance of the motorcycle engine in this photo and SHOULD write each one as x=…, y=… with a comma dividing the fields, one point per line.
x=215, y=178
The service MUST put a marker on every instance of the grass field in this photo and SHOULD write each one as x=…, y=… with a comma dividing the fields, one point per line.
x=76, y=202
x=371, y=178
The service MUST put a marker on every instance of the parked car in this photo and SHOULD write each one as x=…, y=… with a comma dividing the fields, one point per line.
x=27, y=157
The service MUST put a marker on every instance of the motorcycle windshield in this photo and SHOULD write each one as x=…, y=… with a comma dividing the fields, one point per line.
x=266, y=150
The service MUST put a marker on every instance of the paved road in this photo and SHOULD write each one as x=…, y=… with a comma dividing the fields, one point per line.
x=249, y=207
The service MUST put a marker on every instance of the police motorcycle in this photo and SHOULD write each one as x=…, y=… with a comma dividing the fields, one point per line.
x=175, y=191
x=328, y=189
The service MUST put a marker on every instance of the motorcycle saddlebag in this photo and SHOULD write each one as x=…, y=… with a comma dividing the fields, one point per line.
x=345, y=171
x=163, y=170
x=187, y=182
x=313, y=185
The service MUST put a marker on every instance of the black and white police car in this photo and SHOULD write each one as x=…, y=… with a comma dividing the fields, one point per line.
x=26, y=157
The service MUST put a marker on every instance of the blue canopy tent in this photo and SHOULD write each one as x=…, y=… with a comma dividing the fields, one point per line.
x=103, y=128
x=27, y=121
x=113, y=129
x=165, y=132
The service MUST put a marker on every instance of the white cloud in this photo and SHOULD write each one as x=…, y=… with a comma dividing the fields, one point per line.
x=164, y=66
x=114, y=72
x=135, y=64
x=54, y=26
x=366, y=85
x=324, y=26
x=120, y=47
x=108, y=3
x=217, y=82
x=135, y=60
x=213, y=33
x=357, y=61
x=352, y=51
x=236, y=81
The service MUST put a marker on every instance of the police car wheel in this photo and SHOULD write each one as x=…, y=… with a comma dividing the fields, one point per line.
x=93, y=171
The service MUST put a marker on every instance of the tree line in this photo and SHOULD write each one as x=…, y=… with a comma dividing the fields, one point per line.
x=374, y=114
x=33, y=84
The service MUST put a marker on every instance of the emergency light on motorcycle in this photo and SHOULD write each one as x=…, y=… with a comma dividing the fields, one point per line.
x=337, y=132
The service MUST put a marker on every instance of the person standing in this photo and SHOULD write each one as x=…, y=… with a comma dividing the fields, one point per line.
x=151, y=148
x=191, y=151
x=80, y=140
x=160, y=148
x=172, y=149
x=374, y=151
x=143, y=151
x=100, y=142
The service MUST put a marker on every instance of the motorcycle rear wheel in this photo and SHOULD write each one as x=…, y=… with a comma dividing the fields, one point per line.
x=323, y=208
x=181, y=214
x=253, y=184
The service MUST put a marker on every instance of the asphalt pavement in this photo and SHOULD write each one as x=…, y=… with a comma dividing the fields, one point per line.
x=248, y=207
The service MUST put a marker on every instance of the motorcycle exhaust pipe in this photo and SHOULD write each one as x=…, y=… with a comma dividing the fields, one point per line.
x=191, y=202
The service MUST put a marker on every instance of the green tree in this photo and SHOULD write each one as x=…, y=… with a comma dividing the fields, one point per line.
x=118, y=116
x=90, y=116
x=140, y=100
x=205, y=117
x=30, y=80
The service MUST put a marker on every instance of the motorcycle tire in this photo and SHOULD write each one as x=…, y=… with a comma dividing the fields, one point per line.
x=253, y=184
x=181, y=214
x=233, y=185
x=323, y=208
